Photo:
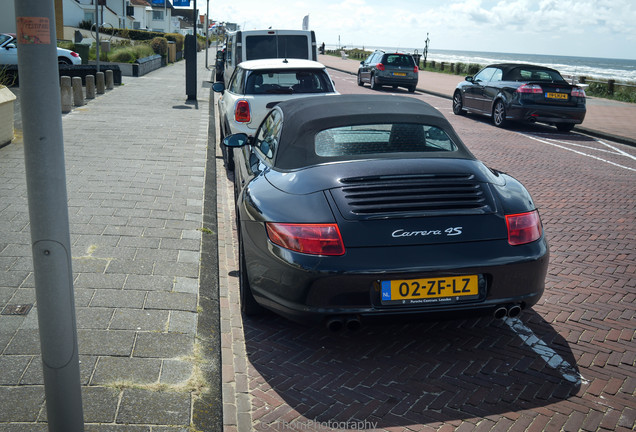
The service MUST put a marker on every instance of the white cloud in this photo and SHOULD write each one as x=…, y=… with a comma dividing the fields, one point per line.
x=595, y=28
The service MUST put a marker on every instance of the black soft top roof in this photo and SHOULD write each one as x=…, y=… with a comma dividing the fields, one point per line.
x=303, y=118
x=507, y=67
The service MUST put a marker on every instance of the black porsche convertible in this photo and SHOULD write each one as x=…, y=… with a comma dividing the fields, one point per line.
x=358, y=206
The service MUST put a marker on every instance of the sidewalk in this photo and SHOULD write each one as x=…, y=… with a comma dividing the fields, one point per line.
x=136, y=170
x=605, y=118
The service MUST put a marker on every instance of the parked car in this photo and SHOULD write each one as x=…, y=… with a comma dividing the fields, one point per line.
x=258, y=85
x=357, y=206
x=521, y=92
x=9, y=52
x=391, y=69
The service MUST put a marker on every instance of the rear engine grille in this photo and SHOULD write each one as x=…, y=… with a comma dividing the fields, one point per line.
x=381, y=196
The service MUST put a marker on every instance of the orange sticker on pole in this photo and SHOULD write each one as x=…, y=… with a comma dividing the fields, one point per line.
x=33, y=30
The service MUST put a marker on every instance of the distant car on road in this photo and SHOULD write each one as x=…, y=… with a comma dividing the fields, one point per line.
x=9, y=52
x=256, y=86
x=390, y=69
x=358, y=206
x=521, y=92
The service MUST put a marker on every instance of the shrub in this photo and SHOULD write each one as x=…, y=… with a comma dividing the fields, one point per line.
x=160, y=45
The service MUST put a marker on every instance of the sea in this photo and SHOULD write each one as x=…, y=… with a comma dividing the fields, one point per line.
x=601, y=69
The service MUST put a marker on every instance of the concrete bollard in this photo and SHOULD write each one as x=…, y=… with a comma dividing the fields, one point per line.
x=109, y=79
x=78, y=92
x=66, y=93
x=100, y=83
x=90, y=86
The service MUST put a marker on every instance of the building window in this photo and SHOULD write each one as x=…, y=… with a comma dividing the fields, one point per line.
x=157, y=15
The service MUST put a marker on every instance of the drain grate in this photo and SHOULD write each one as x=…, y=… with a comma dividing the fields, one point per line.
x=17, y=309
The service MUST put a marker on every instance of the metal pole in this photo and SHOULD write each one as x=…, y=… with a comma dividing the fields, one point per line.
x=207, y=32
x=96, y=34
x=48, y=212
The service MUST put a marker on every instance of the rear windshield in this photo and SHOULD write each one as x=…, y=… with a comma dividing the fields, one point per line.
x=290, y=81
x=382, y=138
x=273, y=46
x=398, y=60
x=529, y=74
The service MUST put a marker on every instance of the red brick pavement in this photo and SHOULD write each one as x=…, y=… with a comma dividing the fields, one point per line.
x=473, y=374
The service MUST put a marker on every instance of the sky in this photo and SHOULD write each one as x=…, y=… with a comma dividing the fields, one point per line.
x=587, y=28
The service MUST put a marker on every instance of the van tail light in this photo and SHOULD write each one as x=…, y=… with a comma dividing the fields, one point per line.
x=530, y=88
x=313, y=239
x=577, y=92
x=380, y=66
x=523, y=228
x=415, y=69
x=242, y=112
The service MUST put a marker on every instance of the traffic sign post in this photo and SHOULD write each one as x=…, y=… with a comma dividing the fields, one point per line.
x=48, y=212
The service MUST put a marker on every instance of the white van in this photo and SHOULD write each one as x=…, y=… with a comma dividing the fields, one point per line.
x=262, y=44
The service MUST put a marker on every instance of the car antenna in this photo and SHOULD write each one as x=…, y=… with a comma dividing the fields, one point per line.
x=285, y=61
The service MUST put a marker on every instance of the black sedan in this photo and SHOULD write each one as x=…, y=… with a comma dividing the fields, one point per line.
x=351, y=207
x=521, y=92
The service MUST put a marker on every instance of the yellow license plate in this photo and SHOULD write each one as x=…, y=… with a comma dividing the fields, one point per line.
x=556, y=96
x=399, y=73
x=410, y=291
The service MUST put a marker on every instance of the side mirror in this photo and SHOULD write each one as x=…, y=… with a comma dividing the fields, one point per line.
x=362, y=62
x=236, y=140
x=11, y=45
x=469, y=78
x=218, y=87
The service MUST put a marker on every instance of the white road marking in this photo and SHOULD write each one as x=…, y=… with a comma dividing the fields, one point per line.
x=576, y=151
x=551, y=358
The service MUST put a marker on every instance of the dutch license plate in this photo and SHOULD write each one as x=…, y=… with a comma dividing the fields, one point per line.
x=399, y=73
x=557, y=96
x=414, y=291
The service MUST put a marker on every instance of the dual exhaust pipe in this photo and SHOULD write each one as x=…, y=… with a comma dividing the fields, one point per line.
x=337, y=323
x=504, y=311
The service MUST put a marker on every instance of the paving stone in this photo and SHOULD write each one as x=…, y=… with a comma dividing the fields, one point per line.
x=183, y=322
x=186, y=285
x=148, y=407
x=118, y=298
x=175, y=371
x=20, y=404
x=171, y=300
x=149, y=283
x=99, y=280
x=163, y=345
x=93, y=317
x=140, y=319
x=105, y=342
x=12, y=368
x=128, y=369
x=131, y=267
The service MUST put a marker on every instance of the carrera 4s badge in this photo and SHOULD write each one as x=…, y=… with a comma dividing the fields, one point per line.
x=451, y=231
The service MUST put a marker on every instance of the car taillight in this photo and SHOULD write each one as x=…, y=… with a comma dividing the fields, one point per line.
x=530, y=88
x=577, y=92
x=523, y=227
x=74, y=54
x=313, y=239
x=380, y=66
x=242, y=112
x=415, y=69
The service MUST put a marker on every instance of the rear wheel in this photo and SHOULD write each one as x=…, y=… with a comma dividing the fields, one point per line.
x=458, y=105
x=411, y=89
x=64, y=61
x=360, y=83
x=249, y=306
x=374, y=84
x=564, y=127
x=499, y=114
x=228, y=160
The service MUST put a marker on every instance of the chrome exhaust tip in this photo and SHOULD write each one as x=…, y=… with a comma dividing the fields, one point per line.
x=335, y=324
x=501, y=312
x=353, y=323
x=514, y=311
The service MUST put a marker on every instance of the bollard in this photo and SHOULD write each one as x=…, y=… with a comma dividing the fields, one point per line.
x=67, y=94
x=78, y=92
x=90, y=86
x=610, y=86
x=100, y=82
x=109, y=79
